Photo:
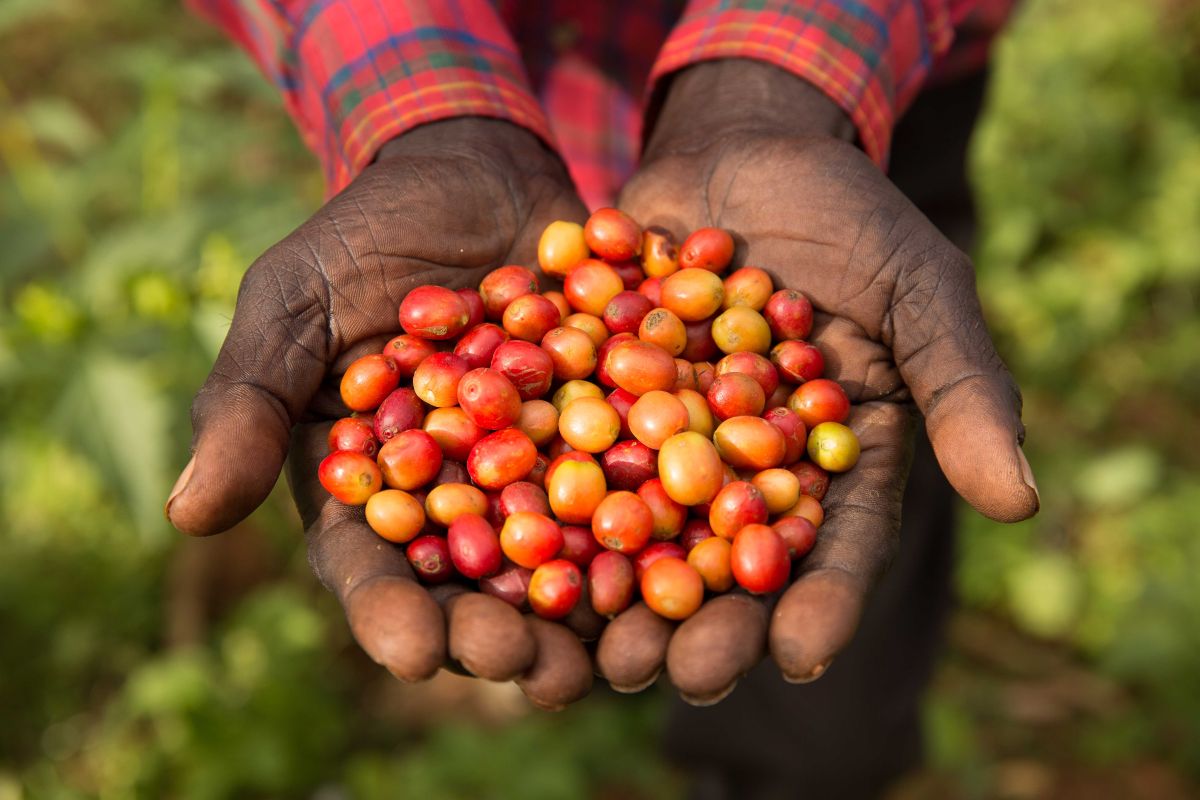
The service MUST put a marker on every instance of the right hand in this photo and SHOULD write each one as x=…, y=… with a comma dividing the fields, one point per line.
x=443, y=204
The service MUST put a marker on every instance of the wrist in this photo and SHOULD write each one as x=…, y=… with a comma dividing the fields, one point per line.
x=494, y=144
x=713, y=100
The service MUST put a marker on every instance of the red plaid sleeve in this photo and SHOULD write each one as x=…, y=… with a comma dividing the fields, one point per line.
x=356, y=73
x=870, y=56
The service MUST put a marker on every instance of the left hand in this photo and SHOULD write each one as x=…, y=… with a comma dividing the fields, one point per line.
x=744, y=146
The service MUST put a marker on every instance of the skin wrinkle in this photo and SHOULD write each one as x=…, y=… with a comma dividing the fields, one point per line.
x=327, y=284
x=834, y=334
x=275, y=368
x=773, y=236
x=913, y=280
x=376, y=249
x=941, y=393
x=883, y=255
x=706, y=201
x=888, y=387
x=857, y=543
x=848, y=557
x=959, y=331
x=714, y=211
x=356, y=260
x=946, y=355
x=923, y=349
x=275, y=402
x=309, y=318
x=916, y=295
x=847, y=271
x=859, y=581
x=871, y=290
x=319, y=561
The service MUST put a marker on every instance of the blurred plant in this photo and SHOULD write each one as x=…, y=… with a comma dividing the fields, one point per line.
x=1088, y=169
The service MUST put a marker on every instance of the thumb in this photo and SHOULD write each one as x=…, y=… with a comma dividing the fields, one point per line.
x=971, y=404
x=272, y=362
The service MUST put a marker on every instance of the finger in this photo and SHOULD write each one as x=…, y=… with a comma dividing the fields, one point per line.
x=818, y=614
x=488, y=636
x=716, y=646
x=633, y=648
x=863, y=366
x=392, y=617
x=272, y=361
x=971, y=404
x=395, y=621
x=583, y=620
x=561, y=671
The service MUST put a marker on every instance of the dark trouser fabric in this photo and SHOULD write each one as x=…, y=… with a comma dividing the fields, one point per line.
x=851, y=733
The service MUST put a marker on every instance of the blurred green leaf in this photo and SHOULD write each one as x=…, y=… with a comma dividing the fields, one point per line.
x=1114, y=478
x=115, y=410
x=16, y=12
x=1045, y=594
x=58, y=123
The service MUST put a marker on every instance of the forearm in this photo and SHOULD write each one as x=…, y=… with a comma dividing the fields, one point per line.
x=355, y=74
x=868, y=57
x=501, y=145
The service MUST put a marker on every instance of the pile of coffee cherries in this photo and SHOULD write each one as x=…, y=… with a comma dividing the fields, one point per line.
x=643, y=431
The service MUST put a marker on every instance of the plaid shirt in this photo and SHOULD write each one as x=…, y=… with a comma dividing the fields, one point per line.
x=356, y=73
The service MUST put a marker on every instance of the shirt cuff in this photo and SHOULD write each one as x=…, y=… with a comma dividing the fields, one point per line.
x=868, y=56
x=357, y=73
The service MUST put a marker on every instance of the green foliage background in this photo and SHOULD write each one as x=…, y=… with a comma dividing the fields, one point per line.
x=143, y=165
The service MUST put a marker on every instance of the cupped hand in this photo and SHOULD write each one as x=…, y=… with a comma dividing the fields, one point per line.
x=442, y=204
x=751, y=149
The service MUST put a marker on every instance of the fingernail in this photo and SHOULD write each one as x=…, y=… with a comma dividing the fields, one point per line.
x=815, y=673
x=703, y=701
x=180, y=484
x=1027, y=475
x=634, y=688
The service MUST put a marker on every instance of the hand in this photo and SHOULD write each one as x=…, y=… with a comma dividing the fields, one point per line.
x=443, y=204
x=747, y=147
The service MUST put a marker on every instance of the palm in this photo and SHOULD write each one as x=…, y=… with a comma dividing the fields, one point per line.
x=405, y=223
x=896, y=316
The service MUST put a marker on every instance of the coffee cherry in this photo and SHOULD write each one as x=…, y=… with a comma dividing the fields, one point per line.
x=434, y=312
x=709, y=249
x=368, y=380
x=555, y=588
x=350, y=477
x=613, y=235
x=759, y=559
x=833, y=446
